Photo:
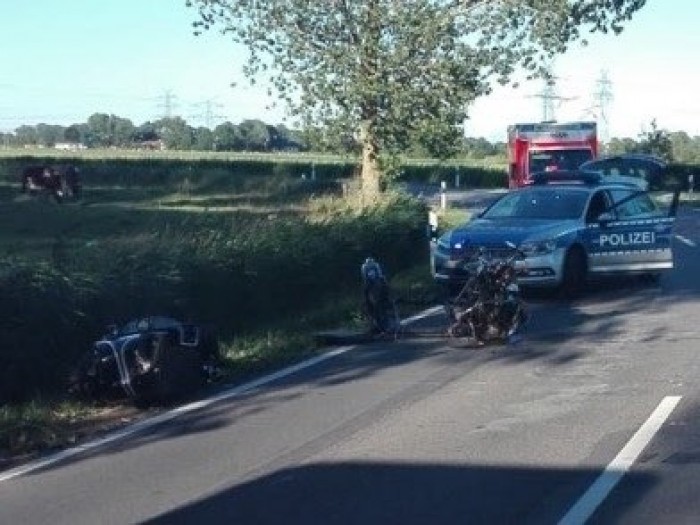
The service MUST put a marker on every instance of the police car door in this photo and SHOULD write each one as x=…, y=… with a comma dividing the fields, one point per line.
x=634, y=235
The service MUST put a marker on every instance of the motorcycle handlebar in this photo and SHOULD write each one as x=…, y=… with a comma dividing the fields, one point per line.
x=481, y=256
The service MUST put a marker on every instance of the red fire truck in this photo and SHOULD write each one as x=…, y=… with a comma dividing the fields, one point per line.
x=548, y=146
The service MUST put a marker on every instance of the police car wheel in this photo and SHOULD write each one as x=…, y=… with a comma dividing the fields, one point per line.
x=574, y=273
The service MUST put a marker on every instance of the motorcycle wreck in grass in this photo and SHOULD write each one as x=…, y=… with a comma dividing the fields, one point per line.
x=148, y=360
x=488, y=308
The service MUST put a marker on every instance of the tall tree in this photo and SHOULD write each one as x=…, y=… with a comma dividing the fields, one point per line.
x=656, y=141
x=146, y=132
x=392, y=70
x=101, y=128
x=685, y=149
x=255, y=135
x=49, y=134
x=72, y=134
x=175, y=133
x=226, y=137
x=618, y=146
x=124, y=131
x=26, y=135
x=203, y=139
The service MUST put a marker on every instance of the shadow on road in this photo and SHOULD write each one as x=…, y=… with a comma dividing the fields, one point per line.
x=402, y=493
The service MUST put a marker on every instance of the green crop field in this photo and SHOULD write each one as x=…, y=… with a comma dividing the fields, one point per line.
x=498, y=162
x=126, y=167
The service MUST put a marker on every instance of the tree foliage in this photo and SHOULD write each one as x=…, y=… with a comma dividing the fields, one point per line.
x=396, y=72
x=108, y=130
x=656, y=141
x=254, y=135
x=175, y=132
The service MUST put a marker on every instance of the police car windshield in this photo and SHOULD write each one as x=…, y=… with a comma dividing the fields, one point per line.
x=540, y=203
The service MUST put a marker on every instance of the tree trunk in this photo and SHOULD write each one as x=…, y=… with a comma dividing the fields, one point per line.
x=370, y=173
x=369, y=49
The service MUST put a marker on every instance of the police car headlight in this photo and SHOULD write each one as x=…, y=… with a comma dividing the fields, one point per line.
x=534, y=248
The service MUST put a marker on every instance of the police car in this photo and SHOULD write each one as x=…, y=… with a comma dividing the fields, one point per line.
x=569, y=225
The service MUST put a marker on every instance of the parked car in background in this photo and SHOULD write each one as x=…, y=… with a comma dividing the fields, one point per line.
x=646, y=171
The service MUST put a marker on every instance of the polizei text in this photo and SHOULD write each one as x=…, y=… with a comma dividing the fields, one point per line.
x=627, y=239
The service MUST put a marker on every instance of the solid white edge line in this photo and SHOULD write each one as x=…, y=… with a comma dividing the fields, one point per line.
x=184, y=409
x=170, y=414
x=618, y=467
x=422, y=315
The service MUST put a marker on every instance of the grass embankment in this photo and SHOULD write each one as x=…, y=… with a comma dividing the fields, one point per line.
x=258, y=259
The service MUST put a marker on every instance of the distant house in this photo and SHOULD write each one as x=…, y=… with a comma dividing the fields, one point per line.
x=157, y=144
x=70, y=146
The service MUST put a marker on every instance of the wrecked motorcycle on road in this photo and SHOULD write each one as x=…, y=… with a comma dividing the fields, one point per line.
x=488, y=308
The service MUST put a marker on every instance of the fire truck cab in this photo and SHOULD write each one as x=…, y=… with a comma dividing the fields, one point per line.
x=548, y=146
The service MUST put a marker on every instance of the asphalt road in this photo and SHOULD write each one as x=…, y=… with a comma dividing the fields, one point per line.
x=593, y=414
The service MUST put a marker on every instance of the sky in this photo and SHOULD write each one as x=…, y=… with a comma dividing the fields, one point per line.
x=63, y=60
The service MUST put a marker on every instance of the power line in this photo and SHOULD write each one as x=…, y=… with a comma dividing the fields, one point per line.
x=603, y=97
x=169, y=103
x=549, y=96
x=208, y=115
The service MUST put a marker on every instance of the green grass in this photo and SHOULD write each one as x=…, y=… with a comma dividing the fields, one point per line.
x=40, y=425
x=135, y=154
x=236, y=170
x=231, y=156
x=452, y=217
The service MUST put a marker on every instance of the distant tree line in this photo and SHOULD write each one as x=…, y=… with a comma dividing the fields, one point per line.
x=110, y=131
x=174, y=133
x=675, y=146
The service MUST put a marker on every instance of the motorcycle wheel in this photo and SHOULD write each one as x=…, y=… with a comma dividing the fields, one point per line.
x=461, y=335
x=383, y=314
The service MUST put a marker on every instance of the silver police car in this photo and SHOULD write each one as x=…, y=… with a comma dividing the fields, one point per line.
x=569, y=225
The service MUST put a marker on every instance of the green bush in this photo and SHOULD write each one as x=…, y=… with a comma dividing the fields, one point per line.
x=469, y=176
x=42, y=323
